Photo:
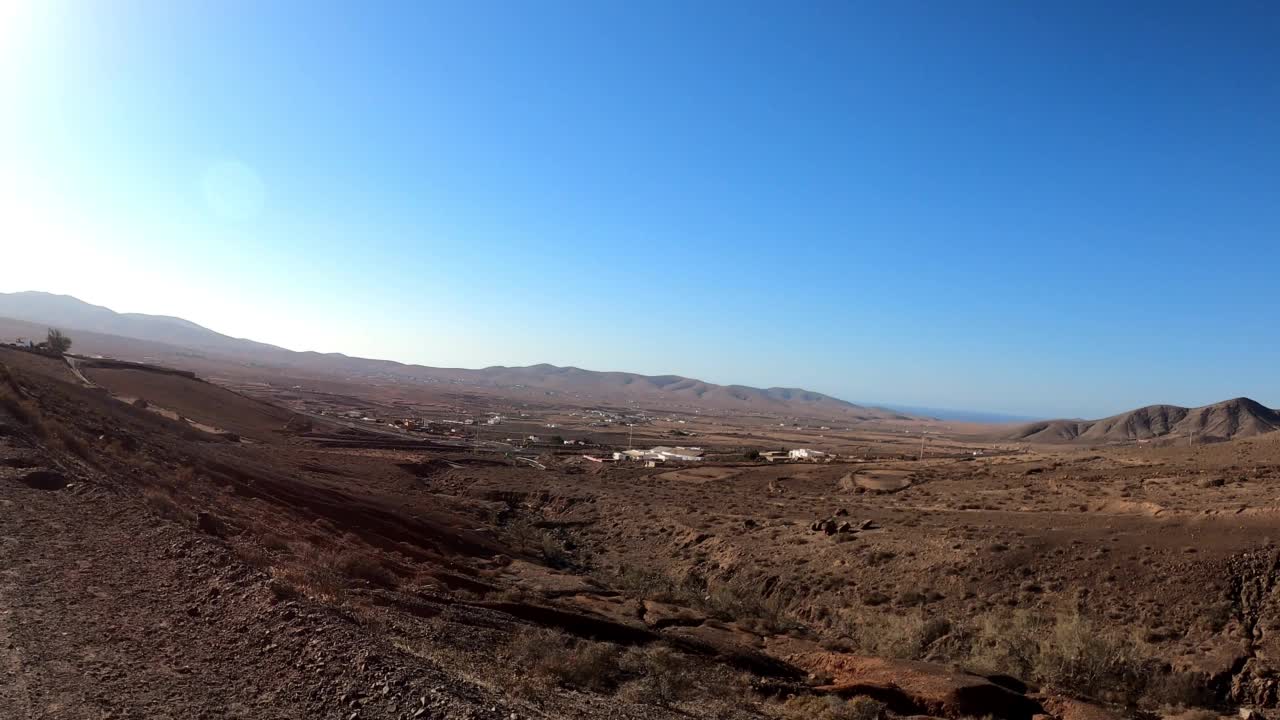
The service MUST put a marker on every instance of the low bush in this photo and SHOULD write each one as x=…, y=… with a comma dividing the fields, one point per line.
x=554, y=553
x=829, y=707
x=23, y=411
x=254, y=555
x=316, y=581
x=664, y=676
x=905, y=637
x=1066, y=652
x=162, y=503
x=361, y=566
x=737, y=599
x=545, y=658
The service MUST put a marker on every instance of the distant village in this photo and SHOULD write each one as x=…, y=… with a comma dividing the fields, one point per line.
x=650, y=457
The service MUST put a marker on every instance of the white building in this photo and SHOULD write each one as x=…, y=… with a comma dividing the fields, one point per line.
x=662, y=453
x=805, y=454
x=682, y=454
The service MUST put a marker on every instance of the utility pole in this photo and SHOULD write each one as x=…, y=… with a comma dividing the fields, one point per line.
x=631, y=428
x=922, y=437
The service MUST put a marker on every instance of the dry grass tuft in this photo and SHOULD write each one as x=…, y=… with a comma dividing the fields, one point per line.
x=828, y=707
x=1066, y=652
x=318, y=582
x=545, y=658
x=162, y=503
x=664, y=676
x=736, y=599
x=360, y=566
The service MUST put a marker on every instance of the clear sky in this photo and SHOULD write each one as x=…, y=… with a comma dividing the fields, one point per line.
x=1041, y=208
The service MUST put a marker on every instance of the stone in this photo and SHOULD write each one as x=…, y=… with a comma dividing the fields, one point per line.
x=918, y=688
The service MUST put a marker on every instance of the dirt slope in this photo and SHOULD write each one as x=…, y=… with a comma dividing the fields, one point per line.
x=107, y=610
x=149, y=572
x=207, y=404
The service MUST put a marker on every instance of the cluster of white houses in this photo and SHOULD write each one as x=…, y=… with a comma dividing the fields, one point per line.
x=662, y=453
x=796, y=454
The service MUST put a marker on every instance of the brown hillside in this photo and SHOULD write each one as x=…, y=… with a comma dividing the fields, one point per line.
x=186, y=345
x=1227, y=420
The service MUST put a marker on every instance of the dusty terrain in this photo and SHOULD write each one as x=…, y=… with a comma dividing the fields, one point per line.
x=173, y=547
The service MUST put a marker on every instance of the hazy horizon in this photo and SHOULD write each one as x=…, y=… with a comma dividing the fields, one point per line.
x=1063, y=210
x=978, y=415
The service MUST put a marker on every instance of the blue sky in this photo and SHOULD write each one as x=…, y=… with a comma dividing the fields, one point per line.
x=1039, y=208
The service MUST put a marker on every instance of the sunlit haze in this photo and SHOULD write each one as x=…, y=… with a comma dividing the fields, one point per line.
x=1045, y=209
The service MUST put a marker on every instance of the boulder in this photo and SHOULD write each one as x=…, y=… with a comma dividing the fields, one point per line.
x=44, y=480
x=1065, y=708
x=209, y=523
x=918, y=688
x=659, y=615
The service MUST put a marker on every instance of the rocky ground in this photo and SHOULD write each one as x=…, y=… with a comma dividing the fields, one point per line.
x=152, y=565
x=105, y=612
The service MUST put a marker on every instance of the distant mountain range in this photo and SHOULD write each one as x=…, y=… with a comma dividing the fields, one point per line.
x=67, y=312
x=172, y=340
x=1227, y=420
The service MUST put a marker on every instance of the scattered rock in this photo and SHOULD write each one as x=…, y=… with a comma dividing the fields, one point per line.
x=831, y=526
x=659, y=615
x=915, y=688
x=1065, y=708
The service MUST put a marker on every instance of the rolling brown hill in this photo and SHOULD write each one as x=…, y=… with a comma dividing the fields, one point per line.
x=1227, y=420
x=183, y=344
